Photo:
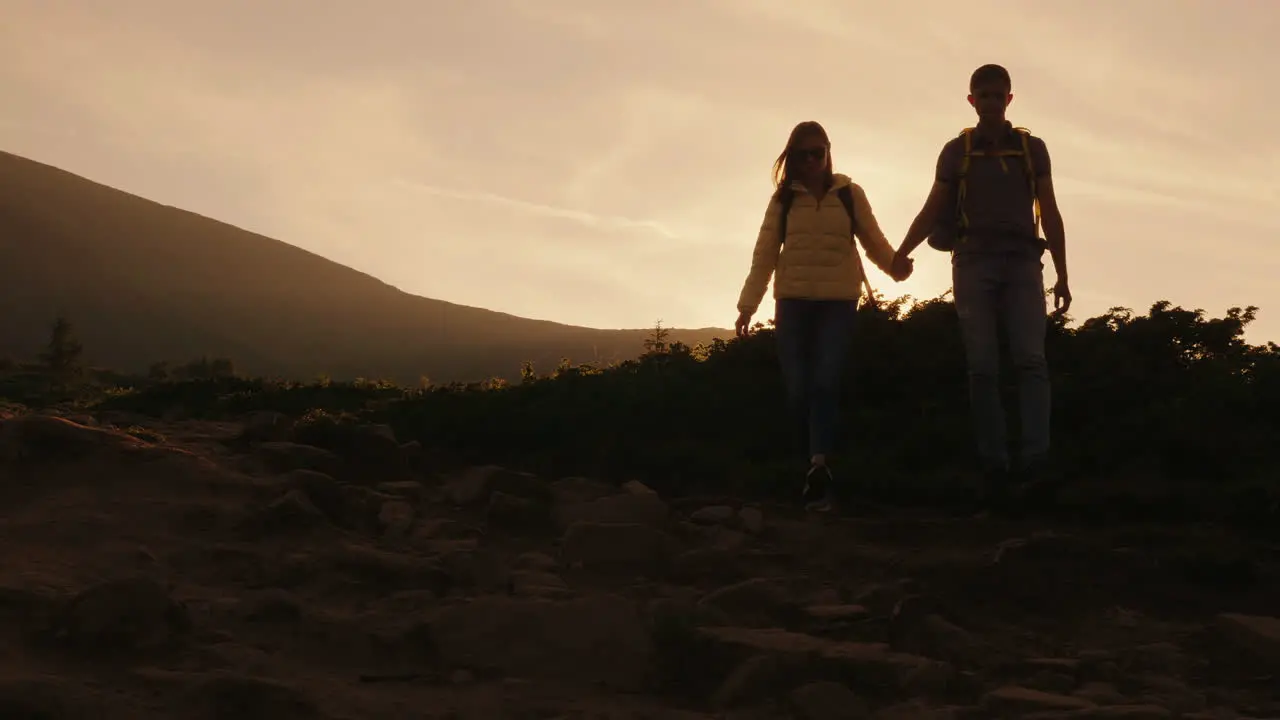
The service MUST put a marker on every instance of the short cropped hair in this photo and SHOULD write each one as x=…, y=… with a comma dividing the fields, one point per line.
x=988, y=73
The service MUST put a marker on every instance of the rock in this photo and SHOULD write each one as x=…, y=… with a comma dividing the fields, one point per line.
x=713, y=515
x=837, y=613
x=477, y=484
x=708, y=565
x=124, y=615
x=723, y=538
x=828, y=701
x=430, y=529
x=757, y=678
x=229, y=696
x=476, y=569
x=322, y=490
x=282, y=457
x=538, y=584
x=934, y=636
x=1012, y=699
x=45, y=437
x=390, y=571
x=759, y=602
x=1052, y=682
x=361, y=508
x=598, y=639
x=637, y=508
x=370, y=453
x=752, y=520
x=918, y=710
x=1131, y=712
x=272, y=605
x=1102, y=693
x=396, y=518
x=617, y=547
x=872, y=666
x=1254, y=634
x=410, y=490
x=635, y=487
x=572, y=490
x=290, y=513
x=1164, y=658
x=517, y=514
x=31, y=696
x=267, y=426
x=534, y=560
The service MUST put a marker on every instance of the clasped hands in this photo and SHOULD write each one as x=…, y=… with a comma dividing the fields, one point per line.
x=902, y=266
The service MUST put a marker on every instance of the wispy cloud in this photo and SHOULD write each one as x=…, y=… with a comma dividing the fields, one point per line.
x=592, y=220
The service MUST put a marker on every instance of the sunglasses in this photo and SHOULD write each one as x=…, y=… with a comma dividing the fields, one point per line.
x=809, y=154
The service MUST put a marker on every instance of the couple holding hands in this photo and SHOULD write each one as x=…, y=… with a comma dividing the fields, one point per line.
x=991, y=192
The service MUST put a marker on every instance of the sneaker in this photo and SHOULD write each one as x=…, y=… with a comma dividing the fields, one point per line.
x=817, y=489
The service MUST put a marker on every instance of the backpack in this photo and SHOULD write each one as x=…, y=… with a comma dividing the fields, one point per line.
x=787, y=194
x=950, y=230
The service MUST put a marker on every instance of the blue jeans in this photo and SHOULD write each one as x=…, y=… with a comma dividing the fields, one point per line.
x=814, y=338
x=1004, y=288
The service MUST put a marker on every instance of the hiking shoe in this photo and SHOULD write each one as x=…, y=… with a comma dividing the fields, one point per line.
x=998, y=495
x=1036, y=486
x=817, y=489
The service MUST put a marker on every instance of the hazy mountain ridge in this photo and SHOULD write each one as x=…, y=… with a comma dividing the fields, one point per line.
x=143, y=282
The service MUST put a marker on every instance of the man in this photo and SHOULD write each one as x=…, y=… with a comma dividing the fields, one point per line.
x=990, y=227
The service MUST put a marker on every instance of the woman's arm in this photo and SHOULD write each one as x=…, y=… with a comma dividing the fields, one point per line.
x=764, y=260
x=869, y=234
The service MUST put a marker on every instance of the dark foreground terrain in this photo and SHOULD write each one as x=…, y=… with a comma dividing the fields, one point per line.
x=200, y=569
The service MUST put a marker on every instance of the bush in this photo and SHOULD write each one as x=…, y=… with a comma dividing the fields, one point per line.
x=1172, y=393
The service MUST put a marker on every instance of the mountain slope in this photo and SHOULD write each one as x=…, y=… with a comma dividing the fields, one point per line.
x=144, y=282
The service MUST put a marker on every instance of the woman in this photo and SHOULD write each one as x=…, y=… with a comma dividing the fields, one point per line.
x=807, y=239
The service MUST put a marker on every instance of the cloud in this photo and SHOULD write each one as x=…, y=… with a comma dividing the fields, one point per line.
x=597, y=222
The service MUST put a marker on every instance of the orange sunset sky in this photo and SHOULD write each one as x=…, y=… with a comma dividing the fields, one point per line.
x=607, y=163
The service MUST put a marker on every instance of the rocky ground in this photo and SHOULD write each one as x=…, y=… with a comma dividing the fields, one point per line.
x=205, y=570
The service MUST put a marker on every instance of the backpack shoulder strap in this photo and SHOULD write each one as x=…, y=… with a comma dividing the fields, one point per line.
x=785, y=196
x=1025, y=135
x=845, y=194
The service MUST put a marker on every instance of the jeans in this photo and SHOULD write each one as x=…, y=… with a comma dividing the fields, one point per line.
x=1006, y=288
x=814, y=338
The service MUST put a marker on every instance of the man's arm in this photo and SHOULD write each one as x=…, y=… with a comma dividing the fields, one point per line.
x=1050, y=215
x=926, y=219
x=939, y=196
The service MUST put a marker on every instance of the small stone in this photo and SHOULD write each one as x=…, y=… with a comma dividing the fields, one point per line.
x=396, y=518
x=620, y=547
x=1013, y=699
x=828, y=701
x=713, y=515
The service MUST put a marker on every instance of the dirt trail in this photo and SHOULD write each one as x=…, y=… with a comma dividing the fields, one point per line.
x=209, y=571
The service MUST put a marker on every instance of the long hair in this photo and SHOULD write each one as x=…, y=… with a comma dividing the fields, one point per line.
x=782, y=166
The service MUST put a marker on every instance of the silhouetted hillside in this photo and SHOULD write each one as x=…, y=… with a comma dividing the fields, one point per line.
x=144, y=282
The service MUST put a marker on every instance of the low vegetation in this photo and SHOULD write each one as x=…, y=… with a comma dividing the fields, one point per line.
x=1171, y=399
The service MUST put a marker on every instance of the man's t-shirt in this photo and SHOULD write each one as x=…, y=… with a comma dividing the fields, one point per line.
x=998, y=199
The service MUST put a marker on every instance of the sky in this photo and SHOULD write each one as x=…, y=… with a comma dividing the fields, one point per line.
x=606, y=163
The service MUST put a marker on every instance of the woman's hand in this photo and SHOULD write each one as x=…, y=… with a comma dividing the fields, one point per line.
x=902, y=267
x=743, y=325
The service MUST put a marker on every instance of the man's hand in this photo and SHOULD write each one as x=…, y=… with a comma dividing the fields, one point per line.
x=743, y=325
x=902, y=267
x=1061, y=296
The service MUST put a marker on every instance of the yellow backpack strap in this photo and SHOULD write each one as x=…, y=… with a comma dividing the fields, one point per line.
x=1025, y=134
